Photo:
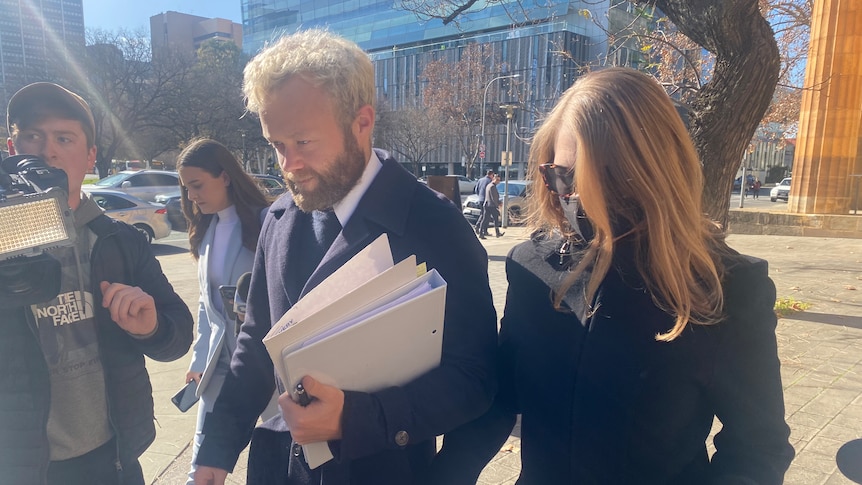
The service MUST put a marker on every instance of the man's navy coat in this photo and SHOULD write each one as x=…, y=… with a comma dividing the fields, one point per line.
x=388, y=436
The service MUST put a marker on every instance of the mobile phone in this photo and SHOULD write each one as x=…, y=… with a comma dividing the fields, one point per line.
x=228, y=292
x=186, y=398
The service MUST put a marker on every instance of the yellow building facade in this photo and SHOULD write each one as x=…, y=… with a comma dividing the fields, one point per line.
x=827, y=166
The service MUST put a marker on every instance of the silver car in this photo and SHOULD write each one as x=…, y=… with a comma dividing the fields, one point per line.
x=143, y=184
x=173, y=203
x=465, y=184
x=517, y=202
x=271, y=185
x=148, y=217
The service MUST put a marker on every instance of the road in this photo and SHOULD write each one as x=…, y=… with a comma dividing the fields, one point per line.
x=762, y=202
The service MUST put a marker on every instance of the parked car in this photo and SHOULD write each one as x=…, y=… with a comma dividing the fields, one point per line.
x=148, y=217
x=173, y=203
x=780, y=191
x=143, y=184
x=465, y=184
x=271, y=185
x=517, y=203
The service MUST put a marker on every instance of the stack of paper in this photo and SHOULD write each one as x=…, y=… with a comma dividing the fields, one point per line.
x=370, y=325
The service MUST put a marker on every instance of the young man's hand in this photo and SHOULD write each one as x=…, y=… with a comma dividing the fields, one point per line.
x=206, y=475
x=131, y=308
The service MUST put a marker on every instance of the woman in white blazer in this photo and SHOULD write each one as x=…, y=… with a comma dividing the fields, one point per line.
x=224, y=209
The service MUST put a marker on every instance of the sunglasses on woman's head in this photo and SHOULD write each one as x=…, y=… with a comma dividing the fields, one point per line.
x=559, y=180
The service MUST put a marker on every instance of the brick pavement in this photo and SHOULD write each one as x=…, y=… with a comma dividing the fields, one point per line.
x=820, y=350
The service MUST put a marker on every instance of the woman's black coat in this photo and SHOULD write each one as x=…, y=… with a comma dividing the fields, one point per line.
x=603, y=402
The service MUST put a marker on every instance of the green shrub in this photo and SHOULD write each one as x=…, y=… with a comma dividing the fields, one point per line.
x=786, y=306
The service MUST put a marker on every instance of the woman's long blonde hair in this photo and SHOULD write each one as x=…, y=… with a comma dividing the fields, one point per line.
x=639, y=180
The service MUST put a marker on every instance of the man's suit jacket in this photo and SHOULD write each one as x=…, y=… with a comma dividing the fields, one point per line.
x=480, y=188
x=388, y=436
x=492, y=196
x=214, y=330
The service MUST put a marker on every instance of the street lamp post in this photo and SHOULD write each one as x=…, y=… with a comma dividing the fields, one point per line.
x=510, y=110
x=484, y=101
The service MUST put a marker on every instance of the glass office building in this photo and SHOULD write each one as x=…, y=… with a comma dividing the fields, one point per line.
x=546, y=44
x=382, y=24
x=34, y=34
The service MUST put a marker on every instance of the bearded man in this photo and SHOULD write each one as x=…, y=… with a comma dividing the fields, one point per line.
x=314, y=94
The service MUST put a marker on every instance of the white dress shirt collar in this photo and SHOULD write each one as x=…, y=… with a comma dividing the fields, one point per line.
x=345, y=208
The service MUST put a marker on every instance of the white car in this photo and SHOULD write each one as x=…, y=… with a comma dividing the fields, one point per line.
x=780, y=191
x=148, y=217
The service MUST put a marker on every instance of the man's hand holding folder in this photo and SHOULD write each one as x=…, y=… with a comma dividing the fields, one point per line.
x=370, y=325
x=319, y=419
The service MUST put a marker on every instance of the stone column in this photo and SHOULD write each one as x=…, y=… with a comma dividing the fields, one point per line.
x=831, y=111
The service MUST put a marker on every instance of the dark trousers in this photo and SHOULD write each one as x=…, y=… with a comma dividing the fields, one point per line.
x=98, y=467
x=490, y=213
x=273, y=459
x=481, y=217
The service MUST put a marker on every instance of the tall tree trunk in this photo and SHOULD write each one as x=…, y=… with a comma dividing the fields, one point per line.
x=728, y=109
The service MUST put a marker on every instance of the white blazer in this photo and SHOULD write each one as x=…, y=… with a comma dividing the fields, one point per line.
x=214, y=330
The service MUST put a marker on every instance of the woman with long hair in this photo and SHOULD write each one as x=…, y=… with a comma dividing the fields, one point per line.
x=224, y=207
x=630, y=324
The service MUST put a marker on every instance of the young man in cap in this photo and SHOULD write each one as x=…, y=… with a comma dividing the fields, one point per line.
x=77, y=404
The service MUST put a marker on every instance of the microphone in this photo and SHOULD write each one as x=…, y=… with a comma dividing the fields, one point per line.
x=239, y=302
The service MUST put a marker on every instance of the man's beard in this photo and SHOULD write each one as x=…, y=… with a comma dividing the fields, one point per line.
x=334, y=181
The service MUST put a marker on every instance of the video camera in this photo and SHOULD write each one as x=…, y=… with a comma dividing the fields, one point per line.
x=34, y=216
x=29, y=174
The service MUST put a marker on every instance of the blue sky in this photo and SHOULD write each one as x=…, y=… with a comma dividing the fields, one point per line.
x=116, y=14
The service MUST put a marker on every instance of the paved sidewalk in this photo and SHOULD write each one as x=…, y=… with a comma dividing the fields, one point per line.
x=820, y=350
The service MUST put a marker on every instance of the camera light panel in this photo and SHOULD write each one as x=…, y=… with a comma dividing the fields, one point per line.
x=30, y=224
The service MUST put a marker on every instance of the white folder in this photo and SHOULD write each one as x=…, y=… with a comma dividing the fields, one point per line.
x=367, y=264
x=367, y=326
x=365, y=278
x=379, y=350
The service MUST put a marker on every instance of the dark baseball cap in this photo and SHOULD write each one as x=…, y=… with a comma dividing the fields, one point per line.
x=53, y=99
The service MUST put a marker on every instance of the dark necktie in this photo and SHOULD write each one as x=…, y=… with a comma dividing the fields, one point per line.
x=326, y=229
x=313, y=244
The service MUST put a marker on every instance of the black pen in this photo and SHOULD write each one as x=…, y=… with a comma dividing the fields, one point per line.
x=302, y=397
